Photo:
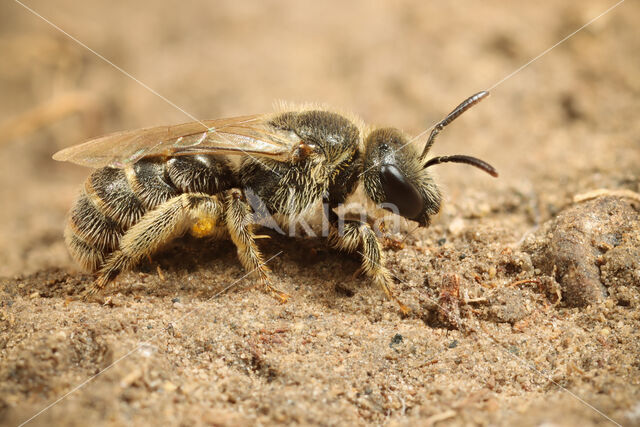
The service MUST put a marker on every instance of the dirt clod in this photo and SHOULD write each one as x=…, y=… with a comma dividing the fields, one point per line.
x=508, y=305
x=589, y=247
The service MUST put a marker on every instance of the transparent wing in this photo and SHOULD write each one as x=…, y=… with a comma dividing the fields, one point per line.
x=248, y=135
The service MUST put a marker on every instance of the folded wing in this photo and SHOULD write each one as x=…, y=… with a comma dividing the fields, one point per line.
x=246, y=135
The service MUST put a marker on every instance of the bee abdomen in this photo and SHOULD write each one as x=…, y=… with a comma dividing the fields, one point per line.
x=111, y=193
x=90, y=235
x=200, y=174
x=93, y=226
x=149, y=181
x=85, y=254
x=100, y=216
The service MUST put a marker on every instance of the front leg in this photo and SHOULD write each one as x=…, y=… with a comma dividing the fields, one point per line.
x=240, y=222
x=358, y=236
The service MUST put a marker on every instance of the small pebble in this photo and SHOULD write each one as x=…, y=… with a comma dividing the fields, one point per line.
x=397, y=339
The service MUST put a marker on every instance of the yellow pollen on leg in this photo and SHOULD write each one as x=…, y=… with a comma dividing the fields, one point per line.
x=203, y=227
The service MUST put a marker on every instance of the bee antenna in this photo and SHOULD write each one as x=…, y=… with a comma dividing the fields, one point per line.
x=459, y=158
x=464, y=106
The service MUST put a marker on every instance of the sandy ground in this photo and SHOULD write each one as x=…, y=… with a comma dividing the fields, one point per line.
x=525, y=303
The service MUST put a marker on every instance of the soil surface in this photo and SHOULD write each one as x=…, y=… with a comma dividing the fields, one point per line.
x=525, y=290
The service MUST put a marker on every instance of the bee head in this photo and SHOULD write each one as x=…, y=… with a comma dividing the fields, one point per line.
x=395, y=176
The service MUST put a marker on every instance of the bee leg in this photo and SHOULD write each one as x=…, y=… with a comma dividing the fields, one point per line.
x=239, y=218
x=359, y=236
x=156, y=228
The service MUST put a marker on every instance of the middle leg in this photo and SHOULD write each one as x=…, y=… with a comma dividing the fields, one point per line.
x=240, y=223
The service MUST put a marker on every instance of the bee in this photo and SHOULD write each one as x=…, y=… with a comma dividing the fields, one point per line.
x=152, y=185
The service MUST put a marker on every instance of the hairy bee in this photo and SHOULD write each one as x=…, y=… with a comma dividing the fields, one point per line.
x=154, y=184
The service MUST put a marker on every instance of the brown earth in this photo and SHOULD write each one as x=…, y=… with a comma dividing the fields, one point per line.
x=526, y=303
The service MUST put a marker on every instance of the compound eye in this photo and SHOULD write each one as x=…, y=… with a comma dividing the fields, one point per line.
x=401, y=193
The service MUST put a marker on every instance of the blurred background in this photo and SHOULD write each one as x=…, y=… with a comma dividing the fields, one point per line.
x=565, y=124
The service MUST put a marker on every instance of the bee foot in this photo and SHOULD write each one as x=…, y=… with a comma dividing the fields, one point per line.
x=91, y=293
x=94, y=290
x=403, y=308
x=280, y=296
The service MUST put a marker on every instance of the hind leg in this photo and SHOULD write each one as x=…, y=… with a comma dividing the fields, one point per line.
x=200, y=211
